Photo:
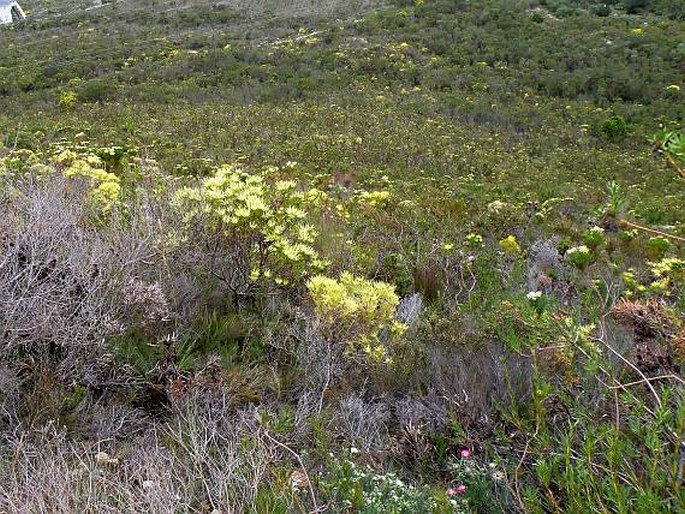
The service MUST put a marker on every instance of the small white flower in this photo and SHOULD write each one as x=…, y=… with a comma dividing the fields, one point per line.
x=534, y=295
x=498, y=476
x=578, y=249
x=497, y=207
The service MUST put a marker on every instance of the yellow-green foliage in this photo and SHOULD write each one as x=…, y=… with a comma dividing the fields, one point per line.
x=510, y=246
x=358, y=312
x=67, y=100
x=374, y=198
x=21, y=161
x=353, y=299
x=666, y=276
x=669, y=272
x=106, y=187
x=267, y=218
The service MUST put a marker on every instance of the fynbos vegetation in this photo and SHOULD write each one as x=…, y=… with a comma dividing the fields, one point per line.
x=415, y=256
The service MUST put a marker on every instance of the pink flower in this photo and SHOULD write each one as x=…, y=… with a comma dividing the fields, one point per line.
x=464, y=454
x=456, y=491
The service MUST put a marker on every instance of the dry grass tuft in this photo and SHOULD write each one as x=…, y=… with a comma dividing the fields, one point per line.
x=678, y=344
x=647, y=319
x=203, y=459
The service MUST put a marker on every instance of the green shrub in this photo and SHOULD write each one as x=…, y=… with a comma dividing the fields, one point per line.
x=352, y=488
x=674, y=9
x=657, y=247
x=258, y=224
x=67, y=100
x=114, y=157
x=614, y=127
x=357, y=313
x=602, y=10
x=594, y=237
x=571, y=476
x=670, y=143
x=99, y=90
x=636, y=6
x=537, y=17
x=579, y=256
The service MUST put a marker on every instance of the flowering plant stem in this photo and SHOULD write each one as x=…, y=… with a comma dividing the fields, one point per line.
x=673, y=162
x=627, y=224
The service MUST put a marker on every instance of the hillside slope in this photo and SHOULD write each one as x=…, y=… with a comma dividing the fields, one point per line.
x=344, y=256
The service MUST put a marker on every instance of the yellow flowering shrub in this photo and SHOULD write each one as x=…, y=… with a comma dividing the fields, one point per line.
x=105, y=186
x=669, y=274
x=358, y=313
x=374, y=198
x=68, y=100
x=510, y=245
x=22, y=161
x=666, y=277
x=267, y=220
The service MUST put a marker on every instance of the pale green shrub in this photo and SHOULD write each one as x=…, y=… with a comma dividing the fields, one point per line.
x=105, y=186
x=260, y=225
x=67, y=100
x=358, y=313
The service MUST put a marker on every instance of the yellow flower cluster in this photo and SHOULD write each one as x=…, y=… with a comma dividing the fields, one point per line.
x=510, y=245
x=106, y=186
x=269, y=218
x=669, y=272
x=361, y=309
x=666, y=274
x=68, y=100
x=374, y=198
x=22, y=160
